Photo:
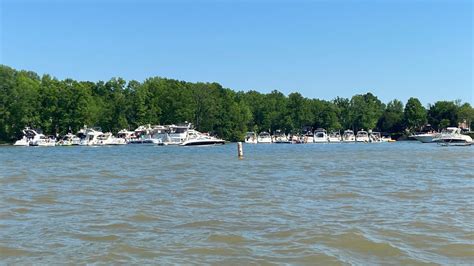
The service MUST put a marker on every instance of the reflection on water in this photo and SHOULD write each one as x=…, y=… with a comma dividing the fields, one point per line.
x=390, y=203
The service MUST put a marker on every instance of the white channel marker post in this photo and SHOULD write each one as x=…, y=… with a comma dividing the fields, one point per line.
x=240, y=150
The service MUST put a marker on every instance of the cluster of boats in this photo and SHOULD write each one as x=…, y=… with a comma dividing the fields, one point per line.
x=182, y=134
x=451, y=136
x=319, y=135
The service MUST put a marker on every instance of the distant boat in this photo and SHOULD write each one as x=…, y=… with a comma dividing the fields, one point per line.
x=264, y=137
x=320, y=136
x=362, y=136
x=32, y=137
x=426, y=137
x=334, y=136
x=251, y=138
x=108, y=139
x=348, y=136
x=308, y=137
x=89, y=136
x=375, y=137
x=69, y=140
x=452, y=137
x=196, y=138
x=280, y=137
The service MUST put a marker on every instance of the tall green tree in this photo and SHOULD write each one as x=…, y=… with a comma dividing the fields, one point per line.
x=414, y=114
x=392, y=117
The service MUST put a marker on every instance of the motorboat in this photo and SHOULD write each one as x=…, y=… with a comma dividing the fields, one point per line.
x=375, y=137
x=427, y=137
x=320, y=136
x=196, y=138
x=69, y=140
x=89, y=136
x=386, y=138
x=334, y=136
x=308, y=137
x=452, y=137
x=159, y=133
x=29, y=136
x=142, y=135
x=176, y=134
x=251, y=138
x=44, y=141
x=35, y=137
x=296, y=139
x=108, y=139
x=24, y=141
x=126, y=135
x=264, y=137
x=348, y=136
x=362, y=136
x=280, y=137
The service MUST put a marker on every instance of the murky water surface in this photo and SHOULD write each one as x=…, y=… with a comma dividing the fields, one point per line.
x=391, y=203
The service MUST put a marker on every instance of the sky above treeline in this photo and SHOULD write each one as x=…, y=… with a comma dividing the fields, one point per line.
x=322, y=49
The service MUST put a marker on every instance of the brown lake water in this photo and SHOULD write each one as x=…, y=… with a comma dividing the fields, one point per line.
x=328, y=204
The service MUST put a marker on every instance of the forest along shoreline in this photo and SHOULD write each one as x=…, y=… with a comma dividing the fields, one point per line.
x=61, y=106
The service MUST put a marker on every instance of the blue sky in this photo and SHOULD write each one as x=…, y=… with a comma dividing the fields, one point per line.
x=322, y=49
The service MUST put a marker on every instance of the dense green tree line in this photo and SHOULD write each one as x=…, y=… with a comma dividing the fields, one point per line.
x=59, y=106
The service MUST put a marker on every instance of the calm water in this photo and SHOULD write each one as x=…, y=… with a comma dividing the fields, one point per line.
x=391, y=203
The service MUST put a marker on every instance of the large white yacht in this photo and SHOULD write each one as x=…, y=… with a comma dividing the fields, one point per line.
x=125, y=134
x=452, y=137
x=334, y=136
x=108, y=139
x=196, y=138
x=320, y=136
x=427, y=137
x=44, y=141
x=280, y=137
x=362, y=136
x=348, y=136
x=89, y=136
x=176, y=134
x=251, y=138
x=142, y=135
x=31, y=137
x=264, y=137
x=69, y=140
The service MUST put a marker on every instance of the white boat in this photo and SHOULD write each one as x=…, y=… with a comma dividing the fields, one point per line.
x=452, y=137
x=426, y=137
x=126, y=135
x=251, y=138
x=176, y=134
x=264, y=137
x=362, y=136
x=348, y=136
x=375, y=137
x=24, y=141
x=334, y=136
x=142, y=135
x=29, y=136
x=159, y=133
x=280, y=137
x=320, y=136
x=308, y=137
x=196, y=138
x=89, y=136
x=44, y=141
x=69, y=140
x=108, y=139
